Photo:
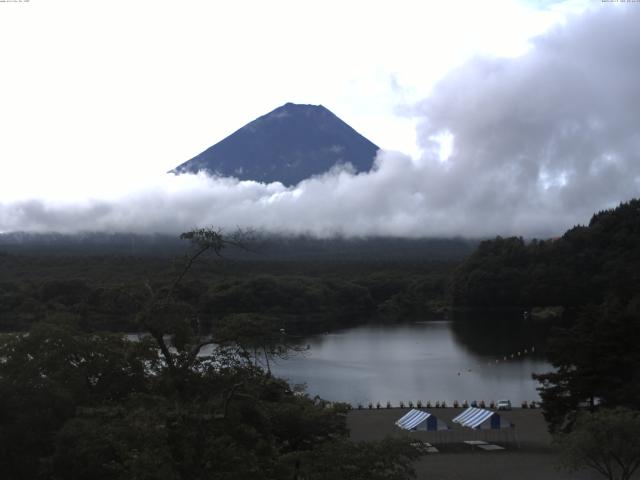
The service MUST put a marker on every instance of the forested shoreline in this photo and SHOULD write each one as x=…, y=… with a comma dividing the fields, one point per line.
x=104, y=292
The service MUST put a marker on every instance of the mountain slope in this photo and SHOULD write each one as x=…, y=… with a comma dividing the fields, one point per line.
x=289, y=144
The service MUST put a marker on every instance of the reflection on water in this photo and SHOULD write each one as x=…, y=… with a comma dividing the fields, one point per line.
x=494, y=334
x=420, y=361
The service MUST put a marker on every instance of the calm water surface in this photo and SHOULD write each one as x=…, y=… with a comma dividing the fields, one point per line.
x=421, y=361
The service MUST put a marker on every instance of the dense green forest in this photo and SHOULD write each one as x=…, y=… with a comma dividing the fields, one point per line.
x=585, y=265
x=308, y=293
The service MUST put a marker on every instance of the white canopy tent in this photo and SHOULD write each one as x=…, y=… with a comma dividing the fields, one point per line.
x=419, y=420
x=481, y=419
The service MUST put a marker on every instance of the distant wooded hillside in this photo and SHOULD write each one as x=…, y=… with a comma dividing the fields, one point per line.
x=261, y=246
x=312, y=293
x=585, y=265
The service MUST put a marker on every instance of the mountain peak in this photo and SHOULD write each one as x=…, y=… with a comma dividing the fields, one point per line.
x=289, y=144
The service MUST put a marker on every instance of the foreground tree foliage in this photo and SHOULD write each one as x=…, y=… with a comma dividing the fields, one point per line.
x=606, y=441
x=170, y=404
x=597, y=362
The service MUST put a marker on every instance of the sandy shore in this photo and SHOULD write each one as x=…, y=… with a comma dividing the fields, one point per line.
x=528, y=453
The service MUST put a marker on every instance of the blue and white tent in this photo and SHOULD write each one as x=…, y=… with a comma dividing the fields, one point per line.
x=419, y=420
x=481, y=419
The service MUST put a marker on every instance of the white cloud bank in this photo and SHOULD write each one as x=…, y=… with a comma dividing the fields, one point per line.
x=534, y=145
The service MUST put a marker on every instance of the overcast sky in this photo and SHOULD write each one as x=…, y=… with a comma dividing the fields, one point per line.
x=496, y=117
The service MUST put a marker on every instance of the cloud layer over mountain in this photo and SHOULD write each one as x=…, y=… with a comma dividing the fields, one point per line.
x=537, y=144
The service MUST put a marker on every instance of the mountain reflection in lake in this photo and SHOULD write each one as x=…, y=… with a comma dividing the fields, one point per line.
x=420, y=361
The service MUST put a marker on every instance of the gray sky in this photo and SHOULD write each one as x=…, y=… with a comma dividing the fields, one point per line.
x=494, y=117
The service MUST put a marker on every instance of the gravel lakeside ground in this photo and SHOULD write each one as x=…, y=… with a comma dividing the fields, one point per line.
x=528, y=453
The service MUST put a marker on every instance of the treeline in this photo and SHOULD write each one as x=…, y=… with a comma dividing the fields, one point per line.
x=586, y=265
x=105, y=292
x=263, y=246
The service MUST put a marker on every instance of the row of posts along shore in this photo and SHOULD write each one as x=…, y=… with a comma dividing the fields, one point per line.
x=438, y=404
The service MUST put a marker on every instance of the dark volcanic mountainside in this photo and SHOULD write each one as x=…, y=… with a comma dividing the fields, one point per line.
x=288, y=145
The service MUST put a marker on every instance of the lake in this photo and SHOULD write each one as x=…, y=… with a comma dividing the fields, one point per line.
x=435, y=360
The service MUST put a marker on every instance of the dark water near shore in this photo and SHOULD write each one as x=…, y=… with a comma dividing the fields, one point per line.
x=441, y=360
